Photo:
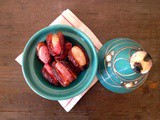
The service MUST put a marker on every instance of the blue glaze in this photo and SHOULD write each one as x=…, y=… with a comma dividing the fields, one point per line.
x=119, y=71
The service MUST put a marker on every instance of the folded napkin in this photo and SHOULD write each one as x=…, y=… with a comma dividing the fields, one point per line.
x=68, y=18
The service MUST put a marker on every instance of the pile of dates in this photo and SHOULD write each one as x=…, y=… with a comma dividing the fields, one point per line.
x=62, y=61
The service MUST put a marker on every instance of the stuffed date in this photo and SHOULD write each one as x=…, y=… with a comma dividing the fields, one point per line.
x=48, y=74
x=42, y=52
x=55, y=43
x=78, y=57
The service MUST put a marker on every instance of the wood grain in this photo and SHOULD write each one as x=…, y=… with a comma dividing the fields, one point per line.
x=136, y=19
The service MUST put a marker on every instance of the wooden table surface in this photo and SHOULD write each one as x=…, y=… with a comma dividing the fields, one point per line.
x=136, y=19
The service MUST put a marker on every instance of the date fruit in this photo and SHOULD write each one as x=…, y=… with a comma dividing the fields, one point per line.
x=42, y=52
x=78, y=57
x=48, y=74
x=55, y=43
x=67, y=60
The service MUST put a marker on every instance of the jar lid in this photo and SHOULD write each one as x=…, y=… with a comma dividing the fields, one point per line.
x=116, y=72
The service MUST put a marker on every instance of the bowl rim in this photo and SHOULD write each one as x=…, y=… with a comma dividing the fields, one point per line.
x=34, y=88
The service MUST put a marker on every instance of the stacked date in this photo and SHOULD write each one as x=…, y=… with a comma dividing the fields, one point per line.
x=62, y=61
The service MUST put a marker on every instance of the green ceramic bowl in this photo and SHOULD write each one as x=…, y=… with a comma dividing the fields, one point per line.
x=31, y=66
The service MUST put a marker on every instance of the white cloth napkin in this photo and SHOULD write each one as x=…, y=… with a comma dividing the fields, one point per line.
x=68, y=18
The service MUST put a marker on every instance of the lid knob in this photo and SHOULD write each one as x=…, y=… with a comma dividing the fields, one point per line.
x=141, y=62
